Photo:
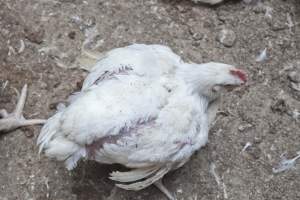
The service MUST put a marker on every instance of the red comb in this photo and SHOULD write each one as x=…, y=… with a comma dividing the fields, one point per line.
x=239, y=73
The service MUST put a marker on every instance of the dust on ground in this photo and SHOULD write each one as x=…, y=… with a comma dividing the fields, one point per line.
x=40, y=42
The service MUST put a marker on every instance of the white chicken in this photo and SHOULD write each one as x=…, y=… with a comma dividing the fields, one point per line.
x=143, y=107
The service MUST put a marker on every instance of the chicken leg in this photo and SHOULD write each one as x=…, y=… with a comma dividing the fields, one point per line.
x=212, y=111
x=14, y=120
x=164, y=190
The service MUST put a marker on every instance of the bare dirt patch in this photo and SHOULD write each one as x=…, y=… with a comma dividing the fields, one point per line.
x=40, y=41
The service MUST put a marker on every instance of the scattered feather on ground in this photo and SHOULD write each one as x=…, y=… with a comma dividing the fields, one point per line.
x=247, y=145
x=220, y=183
x=262, y=56
x=285, y=163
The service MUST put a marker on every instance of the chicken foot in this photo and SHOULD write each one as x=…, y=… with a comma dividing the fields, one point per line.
x=14, y=120
x=164, y=190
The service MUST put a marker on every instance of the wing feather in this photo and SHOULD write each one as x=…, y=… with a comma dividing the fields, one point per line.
x=144, y=60
x=147, y=182
x=133, y=175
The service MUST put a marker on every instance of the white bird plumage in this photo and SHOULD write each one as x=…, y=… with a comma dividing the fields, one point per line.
x=141, y=106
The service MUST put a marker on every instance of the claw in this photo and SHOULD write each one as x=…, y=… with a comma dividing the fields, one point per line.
x=20, y=105
x=164, y=190
x=14, y=120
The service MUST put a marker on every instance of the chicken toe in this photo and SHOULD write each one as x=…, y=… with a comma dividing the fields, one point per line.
x=14, y=120
x=164, y=190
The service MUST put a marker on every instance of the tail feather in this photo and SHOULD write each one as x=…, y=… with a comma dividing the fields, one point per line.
x=48, y=131
x=56, y=145
x=61, y=148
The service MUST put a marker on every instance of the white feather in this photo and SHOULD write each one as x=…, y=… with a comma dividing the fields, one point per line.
x=286, y=164
x=145, y=183
x=262, y=56
x=133, y=175
x=48, y=131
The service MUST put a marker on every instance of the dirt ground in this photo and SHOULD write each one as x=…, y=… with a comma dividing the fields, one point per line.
x=41, y=39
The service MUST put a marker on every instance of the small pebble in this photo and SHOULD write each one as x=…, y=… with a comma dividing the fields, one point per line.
x=196, y=34
x=179, y=190
x=244, y=127
x=43, y=85
x=226, y=37
x=91, y=21
x=53, y=106
x=196, y=43
x=294, y=76
x=35, y=36
x=277, y=26
x=295, y=115
x=28, y=132
x=257, y=140
x=181, y=9
x=295, y=86
x=72, y=35
x=279, y=106
x=208, y=24
x=254, y=151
